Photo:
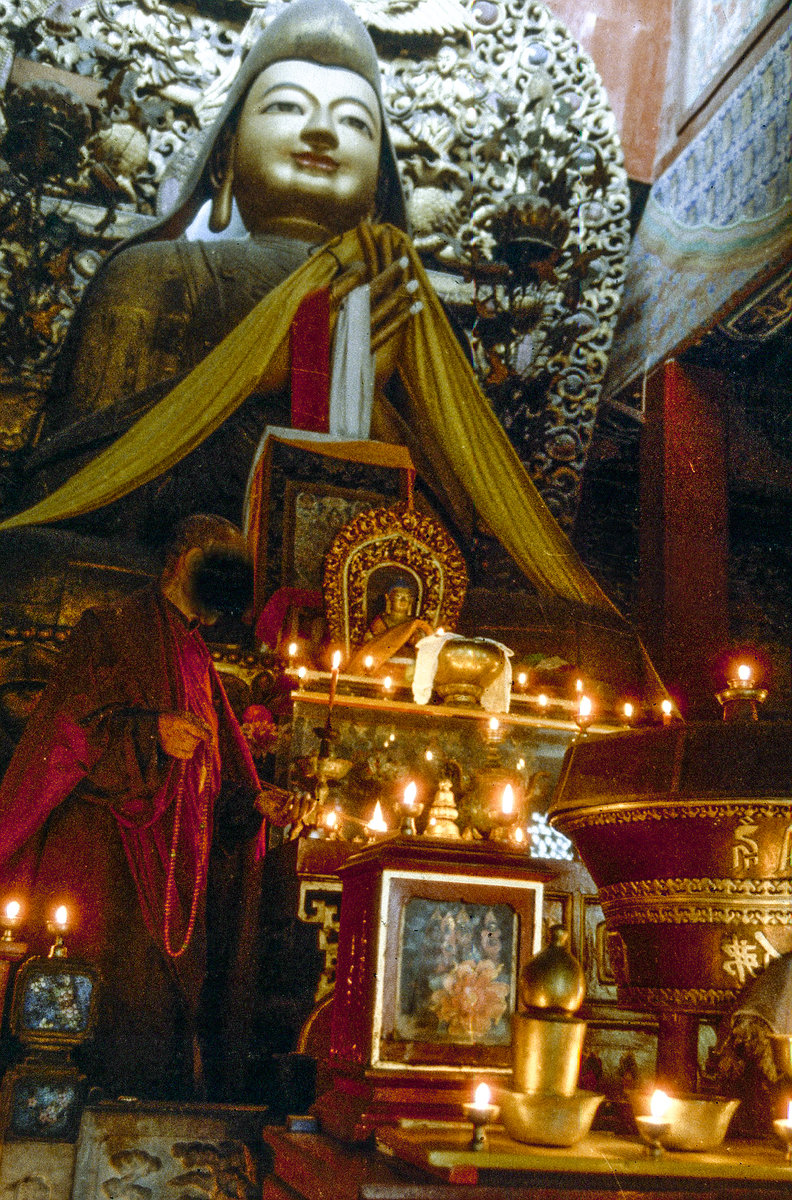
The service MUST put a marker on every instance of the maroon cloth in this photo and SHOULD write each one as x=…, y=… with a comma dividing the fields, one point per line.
x=269, y=624
x=86, y=818
x=310, y=363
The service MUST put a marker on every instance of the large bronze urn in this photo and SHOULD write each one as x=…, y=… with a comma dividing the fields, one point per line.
x=687, y=832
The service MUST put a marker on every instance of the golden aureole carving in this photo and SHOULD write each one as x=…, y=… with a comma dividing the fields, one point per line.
x=410, y=543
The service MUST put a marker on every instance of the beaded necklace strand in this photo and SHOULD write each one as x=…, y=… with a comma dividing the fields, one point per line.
x=200, y=867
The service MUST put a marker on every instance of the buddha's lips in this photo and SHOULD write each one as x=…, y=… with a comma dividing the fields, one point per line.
x=322, y=162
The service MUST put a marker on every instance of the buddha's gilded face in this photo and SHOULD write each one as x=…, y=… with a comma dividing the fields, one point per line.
x=400, y=602
x=307, y=148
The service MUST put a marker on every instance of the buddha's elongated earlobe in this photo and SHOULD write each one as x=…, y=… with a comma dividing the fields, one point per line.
x=220, y=215
x=222, y=178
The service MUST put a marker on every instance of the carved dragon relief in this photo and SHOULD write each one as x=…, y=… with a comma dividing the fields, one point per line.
x=508, y=150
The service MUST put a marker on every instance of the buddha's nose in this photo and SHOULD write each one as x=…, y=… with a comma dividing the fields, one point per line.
x=319, y=129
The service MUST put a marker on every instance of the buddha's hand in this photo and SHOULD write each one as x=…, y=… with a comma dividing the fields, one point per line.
x=394, y=301
x=279, y=806
x=181, y=733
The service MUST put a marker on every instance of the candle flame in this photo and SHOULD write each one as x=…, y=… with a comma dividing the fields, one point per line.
x=368, y=661
x=331, y=819
x=292, y=649
x=61, y=916
x=410, y=792
x=584, y=706
x=13, y=909
x=518, y=834
x=387, y=683
x=659, y=1104
x=744, y=673
x=494, y=724
x=482, y=1096
x=377, y=824
x=522, y=679
x=428, y=756
x=302, y=672
x=578, y=685
x=667, y=708
x=336, y=659
x=507, y=801
x=542, y=700
x=439, y=631
x=628, y=710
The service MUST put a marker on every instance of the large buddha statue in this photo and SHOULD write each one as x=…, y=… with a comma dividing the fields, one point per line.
x=179, y=355
x=184, y=352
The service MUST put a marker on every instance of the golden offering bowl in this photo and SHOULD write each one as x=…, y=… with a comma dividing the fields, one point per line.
x=465, y=669
x=547, y=1120
x=330, y=768
x=695, y=1122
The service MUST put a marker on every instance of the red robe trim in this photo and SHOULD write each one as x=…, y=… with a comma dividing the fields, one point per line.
x=310, y=363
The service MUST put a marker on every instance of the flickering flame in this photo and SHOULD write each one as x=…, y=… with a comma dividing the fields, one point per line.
x=518, y=835
x=292, y=649
x=368, y=661
x=387, y=683
x=439, y=631
x=482, y=1096
x=377, y=824
x=507, y=800
x=61, y=916
x=336, y=659
x=331, y=819
x=744, y=673
x=578, y=685
x=12, y=910
x=302, y=672
x=584, y=706
x=522, y=679
x=666, y=708
x=494, y=724
x=410, y=792
x=428, y=756
x=520, y=764
x=542, y=700
x=628, y=710
x=659, y=1104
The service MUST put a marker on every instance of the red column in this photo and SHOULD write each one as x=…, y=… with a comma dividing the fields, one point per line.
x=684, y=533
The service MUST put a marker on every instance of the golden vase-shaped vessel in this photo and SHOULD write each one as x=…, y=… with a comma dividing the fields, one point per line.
x=545, y=1107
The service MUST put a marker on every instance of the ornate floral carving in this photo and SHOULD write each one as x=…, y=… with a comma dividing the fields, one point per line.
x=653, y=888
x=646, y=809
x=698, y=901
x=696, y=1000
x=400, y=537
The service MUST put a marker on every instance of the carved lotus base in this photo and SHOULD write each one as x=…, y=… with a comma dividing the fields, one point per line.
x=687, y=832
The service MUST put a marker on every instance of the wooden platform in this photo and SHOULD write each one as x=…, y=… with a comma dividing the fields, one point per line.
x=422, y=1162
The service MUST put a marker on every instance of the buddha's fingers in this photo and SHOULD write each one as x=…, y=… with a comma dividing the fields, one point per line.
x=384, y=283
x=346, y=282
x=386, y=332
x=384, y=309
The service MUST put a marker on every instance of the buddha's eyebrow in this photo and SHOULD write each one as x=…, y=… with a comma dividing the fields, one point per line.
x=297, y=87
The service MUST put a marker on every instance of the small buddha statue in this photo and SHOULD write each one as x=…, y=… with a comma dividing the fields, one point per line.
x=396, y=630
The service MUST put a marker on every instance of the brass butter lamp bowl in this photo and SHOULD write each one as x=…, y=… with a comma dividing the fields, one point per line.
x=694, y=1123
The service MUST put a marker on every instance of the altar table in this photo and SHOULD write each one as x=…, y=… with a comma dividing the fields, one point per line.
x=603, y=1167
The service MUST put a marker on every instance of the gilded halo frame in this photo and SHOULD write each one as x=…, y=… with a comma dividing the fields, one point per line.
x=398, y=537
